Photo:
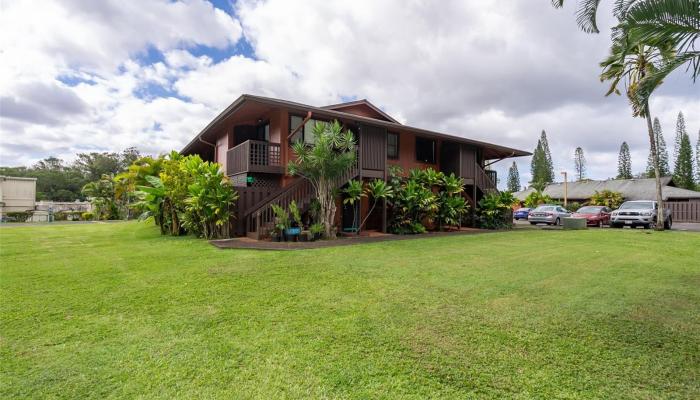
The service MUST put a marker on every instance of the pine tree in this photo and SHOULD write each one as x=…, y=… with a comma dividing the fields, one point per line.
x=680, y=131
x=664, y=169
x=541, y=166
x=683, y=172
x=513, y=178
x=549, y=164
x=624, y=162
x=579, y=163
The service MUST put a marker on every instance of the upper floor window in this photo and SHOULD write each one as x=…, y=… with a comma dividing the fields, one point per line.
x=426, y=150
x=306, y=132
x=263, y=131
x=392, y=145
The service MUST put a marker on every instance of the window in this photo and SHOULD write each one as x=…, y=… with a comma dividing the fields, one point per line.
x=425, y=150
x=263, y=132
x=306, y=132
x=392, y=145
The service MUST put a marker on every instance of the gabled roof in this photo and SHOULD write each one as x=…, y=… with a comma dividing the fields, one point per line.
x=208, y=133
x=361, y=103
x=631, y=189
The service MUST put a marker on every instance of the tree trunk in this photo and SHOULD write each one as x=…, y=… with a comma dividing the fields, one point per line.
x=655, y=157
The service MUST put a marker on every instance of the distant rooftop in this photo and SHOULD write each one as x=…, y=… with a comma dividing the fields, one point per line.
x=631, y=189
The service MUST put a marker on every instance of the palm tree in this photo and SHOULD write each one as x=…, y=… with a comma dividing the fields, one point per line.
x=662, y=24
x=632, y=63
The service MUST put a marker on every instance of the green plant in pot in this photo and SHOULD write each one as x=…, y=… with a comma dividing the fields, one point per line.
x=316, y=231
x=294, y=229
x=281, y=222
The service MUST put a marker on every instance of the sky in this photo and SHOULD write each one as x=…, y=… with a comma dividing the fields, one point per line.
x=82, y=76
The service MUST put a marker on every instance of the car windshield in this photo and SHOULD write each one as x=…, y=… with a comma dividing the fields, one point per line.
x=589, y=210
x=645, y=205
x=544, y=208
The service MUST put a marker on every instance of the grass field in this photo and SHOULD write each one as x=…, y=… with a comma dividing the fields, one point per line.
x=116, y=311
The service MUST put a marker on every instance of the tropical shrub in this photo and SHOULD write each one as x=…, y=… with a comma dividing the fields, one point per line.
x=87, y=216
x=424, y=197
x=495, y=211
x=17, y=216
x=210, y=197
x=573, y=206
x=67, y=216
x=189, y=195
x=323, y=163
x=451, y=204
x=413, y=203
x=607, y=198
x=101, y=195
x=536, y=198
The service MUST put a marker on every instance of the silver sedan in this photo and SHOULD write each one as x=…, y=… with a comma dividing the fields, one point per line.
x=548, y=214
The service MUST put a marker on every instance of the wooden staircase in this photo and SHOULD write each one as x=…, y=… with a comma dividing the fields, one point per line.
x=484, y=181
x=261, y=218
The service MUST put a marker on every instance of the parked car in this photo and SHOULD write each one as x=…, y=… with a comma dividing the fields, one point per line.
x=521, y=213
x=594, y=215
x=548, y=214
x=639, y=213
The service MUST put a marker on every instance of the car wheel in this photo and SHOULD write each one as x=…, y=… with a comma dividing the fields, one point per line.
x=647, y=226
x=616, y=226
x=533, y=223
x=557, y=222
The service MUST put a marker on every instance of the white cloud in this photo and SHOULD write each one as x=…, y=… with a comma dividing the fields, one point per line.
x=496, y=72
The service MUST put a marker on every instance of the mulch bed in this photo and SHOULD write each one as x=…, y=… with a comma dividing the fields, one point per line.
x=374, y=237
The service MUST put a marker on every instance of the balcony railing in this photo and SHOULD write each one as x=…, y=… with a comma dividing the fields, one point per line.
x=254, y=156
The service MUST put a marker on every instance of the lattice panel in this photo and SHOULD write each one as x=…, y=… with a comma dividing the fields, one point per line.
x=263, y=180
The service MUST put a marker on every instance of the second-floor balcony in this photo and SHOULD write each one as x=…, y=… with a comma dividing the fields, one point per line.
x=254, y=156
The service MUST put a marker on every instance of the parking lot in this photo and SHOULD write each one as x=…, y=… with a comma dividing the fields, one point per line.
x=677, y=226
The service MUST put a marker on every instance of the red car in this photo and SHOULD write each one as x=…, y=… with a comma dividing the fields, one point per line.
x=594, y=215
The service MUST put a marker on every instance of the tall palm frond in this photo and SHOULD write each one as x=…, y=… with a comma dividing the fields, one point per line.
x=662, y=23
x=585, y=14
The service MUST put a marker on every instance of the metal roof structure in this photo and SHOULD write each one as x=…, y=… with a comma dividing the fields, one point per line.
x=631, y=189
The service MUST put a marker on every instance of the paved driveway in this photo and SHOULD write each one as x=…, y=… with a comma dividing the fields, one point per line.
x=686, y=226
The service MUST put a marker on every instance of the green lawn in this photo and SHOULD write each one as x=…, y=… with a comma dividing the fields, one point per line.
x=116, y=311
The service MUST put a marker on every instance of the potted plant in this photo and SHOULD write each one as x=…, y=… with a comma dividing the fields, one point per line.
x=281, y=221
x=315, y=230
x=294, y=229
x=276, y=233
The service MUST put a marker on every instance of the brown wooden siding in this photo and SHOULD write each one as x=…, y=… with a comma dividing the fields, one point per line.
x=407, y=154
x=373, y=148
x=684, y=211
x=468, y=162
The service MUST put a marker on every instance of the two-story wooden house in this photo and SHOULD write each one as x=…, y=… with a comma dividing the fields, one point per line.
x=252, y=139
